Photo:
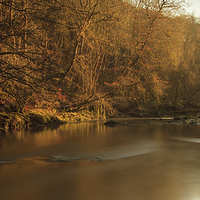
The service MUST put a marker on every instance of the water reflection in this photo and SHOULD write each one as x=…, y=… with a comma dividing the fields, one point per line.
x=90, y=161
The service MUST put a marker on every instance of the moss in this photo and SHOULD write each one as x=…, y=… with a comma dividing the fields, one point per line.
x=12, y=121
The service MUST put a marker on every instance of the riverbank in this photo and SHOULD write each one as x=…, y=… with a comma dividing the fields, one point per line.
x=43, y=117
x=40, y=117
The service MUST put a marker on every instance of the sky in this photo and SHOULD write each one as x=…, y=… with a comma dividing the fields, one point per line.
x=195, y=8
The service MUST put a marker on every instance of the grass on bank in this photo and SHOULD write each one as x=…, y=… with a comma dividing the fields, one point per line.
x=38, y=117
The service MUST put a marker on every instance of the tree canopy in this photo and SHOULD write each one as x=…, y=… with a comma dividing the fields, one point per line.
x=98, y=55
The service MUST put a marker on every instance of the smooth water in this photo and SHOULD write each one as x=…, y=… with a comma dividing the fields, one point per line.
x=146, y=160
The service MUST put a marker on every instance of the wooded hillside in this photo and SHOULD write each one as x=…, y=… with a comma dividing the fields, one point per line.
x=98, y=56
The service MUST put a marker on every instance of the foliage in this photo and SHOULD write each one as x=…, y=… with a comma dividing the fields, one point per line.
x=96, y=57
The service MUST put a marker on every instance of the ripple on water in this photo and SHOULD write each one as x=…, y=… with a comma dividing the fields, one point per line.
x=67, y=159
x=185, y=139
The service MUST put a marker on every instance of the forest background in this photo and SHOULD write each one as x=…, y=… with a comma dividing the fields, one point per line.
x=69, y=60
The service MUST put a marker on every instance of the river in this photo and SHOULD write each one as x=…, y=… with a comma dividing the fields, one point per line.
x=144, y=160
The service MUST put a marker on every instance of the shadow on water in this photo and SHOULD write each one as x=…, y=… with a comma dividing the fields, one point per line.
x=146, y=159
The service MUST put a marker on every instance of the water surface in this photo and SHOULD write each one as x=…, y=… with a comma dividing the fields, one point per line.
x=144, y=160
